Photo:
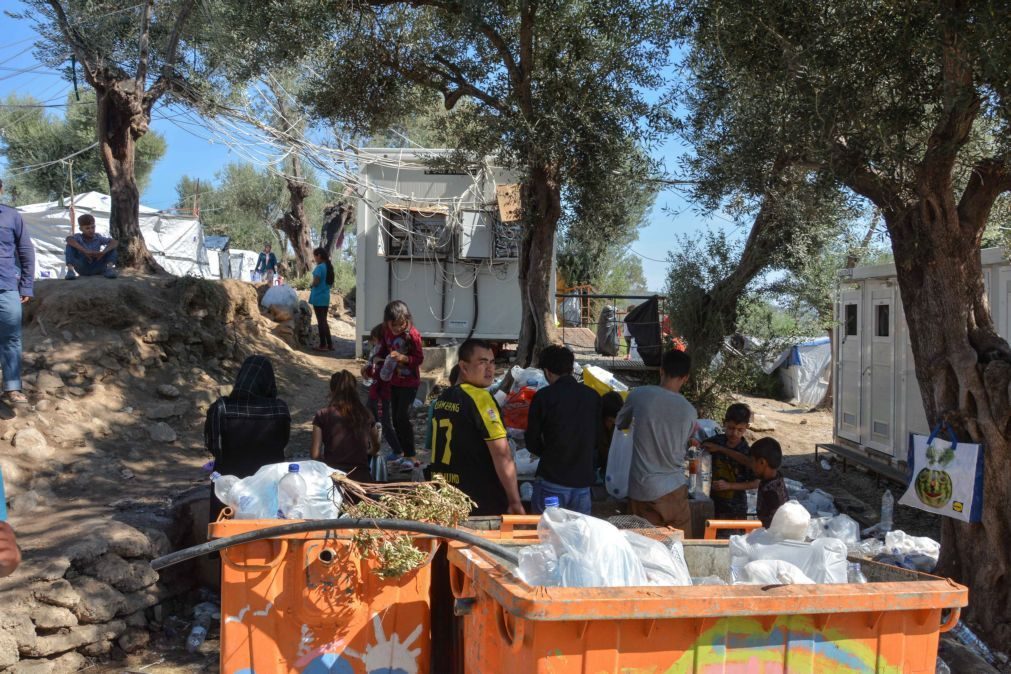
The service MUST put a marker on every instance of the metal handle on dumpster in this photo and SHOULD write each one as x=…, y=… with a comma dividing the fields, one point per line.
x=272, y=564
x=513, y=636
x=952, y=620
x=712, y=526
x=459, y=583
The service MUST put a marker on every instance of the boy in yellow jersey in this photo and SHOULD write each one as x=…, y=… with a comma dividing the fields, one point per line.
x=469, y=446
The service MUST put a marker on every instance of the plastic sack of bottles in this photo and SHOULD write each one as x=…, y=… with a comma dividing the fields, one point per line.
x=590, y=551
x=664, y=565
x=255, y=497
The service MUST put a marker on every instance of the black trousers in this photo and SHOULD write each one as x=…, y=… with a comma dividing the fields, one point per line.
x=325, y=340
x=401, y=401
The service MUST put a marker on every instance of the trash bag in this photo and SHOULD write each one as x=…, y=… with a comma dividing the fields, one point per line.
x=845, y=528
x=643, y=325
x=607, y=340
x=664, y=565
x=790, y=523
x=901, y=543
x=516, y=411
x=571, y=315
x=619, y=463
x=539, y=565
x=823, y=560
x=531, y=377
x=260, y=490
x=591, y=552
x=281, y=302
x=773, y=572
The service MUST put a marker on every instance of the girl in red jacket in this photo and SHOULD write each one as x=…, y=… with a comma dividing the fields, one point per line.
x=402, y=341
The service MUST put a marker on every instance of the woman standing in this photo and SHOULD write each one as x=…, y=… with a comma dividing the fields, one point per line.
x=249, y=428
x=344, y=433
x=402, y=342
x=319, y=296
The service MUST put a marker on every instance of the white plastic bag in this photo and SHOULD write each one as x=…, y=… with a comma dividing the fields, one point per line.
x=619, y=463
x=664, y=565
x=526, y=463
x=901, y=543
x=845, y=528
x=539, y=565
x=790, y=522
x=532, y=377
x=818, y=502
x=773, y=572
x=322, y=500
x=280, y=302
x=591, y=552
x=823, y=561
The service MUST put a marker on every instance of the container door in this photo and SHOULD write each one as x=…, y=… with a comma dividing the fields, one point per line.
x=849, y=366
x=880, y=375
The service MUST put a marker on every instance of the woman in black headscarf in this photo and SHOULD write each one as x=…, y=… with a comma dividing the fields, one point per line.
x=249, y=428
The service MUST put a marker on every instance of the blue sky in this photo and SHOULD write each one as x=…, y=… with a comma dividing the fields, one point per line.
x=192, y=151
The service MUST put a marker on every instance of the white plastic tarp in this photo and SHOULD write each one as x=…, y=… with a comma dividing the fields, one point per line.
x=804, y=371
x=177, y=242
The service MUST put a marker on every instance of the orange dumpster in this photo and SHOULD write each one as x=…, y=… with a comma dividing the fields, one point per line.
x=891, y=624
x=310, y=603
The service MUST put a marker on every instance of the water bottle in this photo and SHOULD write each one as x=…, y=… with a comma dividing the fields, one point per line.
x=3, y=499
x=291, y=490
x=551, y=502
x=887, y=511
x=223, y=486
x=704, y=476
x=202, y=615
x=854, y=574
x=389, y=366
x=968, y=638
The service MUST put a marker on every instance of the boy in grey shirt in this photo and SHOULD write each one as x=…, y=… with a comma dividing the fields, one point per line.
x=664, y=421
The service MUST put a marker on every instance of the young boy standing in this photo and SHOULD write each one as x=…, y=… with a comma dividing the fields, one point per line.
x=732, y=473
x=767, y=456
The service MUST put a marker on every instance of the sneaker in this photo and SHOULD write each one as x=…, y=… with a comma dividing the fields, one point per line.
x=110, y=273
x=71, y=275
x=15, y=399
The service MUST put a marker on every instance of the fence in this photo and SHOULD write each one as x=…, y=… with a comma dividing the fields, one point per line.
x=583, y=315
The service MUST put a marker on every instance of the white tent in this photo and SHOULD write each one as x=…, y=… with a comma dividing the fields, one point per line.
x=176, y=241
x=804, y=371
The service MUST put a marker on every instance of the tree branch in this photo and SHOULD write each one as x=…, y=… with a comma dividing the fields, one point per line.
x=849, y=166
x=166, y=79
x=145, y=44
x=528, y=10
x=77, y=44
x=990, y=178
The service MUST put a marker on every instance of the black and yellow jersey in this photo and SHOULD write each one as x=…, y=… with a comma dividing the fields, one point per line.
x=464, y=420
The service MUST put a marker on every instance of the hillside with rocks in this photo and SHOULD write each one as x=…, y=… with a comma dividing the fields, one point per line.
x=101, y=470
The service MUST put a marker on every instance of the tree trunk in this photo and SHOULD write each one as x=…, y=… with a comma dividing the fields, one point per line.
x=963, y=368
x=536, y=273
x=120, y=122
x=294, y=223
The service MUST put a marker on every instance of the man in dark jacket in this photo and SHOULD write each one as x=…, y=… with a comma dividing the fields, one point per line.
x=17, y=275
x=250, y=428
x=562, y=430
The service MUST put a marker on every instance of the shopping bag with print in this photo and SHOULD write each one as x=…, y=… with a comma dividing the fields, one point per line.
x=946, y=477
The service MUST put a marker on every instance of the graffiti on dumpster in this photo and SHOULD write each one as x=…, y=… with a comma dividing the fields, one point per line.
x=743, y=645
x=385, y=656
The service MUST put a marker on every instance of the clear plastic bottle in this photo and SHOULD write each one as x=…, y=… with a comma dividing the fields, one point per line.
x=389, y=367
x=854, y=574
x=202, y=615
x=223, y=487
x=551, y=502
x=704, y=476
x=887, y=511
x=291, y=491
x=752, y=498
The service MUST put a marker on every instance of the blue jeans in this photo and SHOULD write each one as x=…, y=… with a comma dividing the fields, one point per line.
x=10, y=339
x=85, y=267
x=576, y=499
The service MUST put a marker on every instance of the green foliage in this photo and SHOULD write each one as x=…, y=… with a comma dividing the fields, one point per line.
x=245, y=202
x=32, y=136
